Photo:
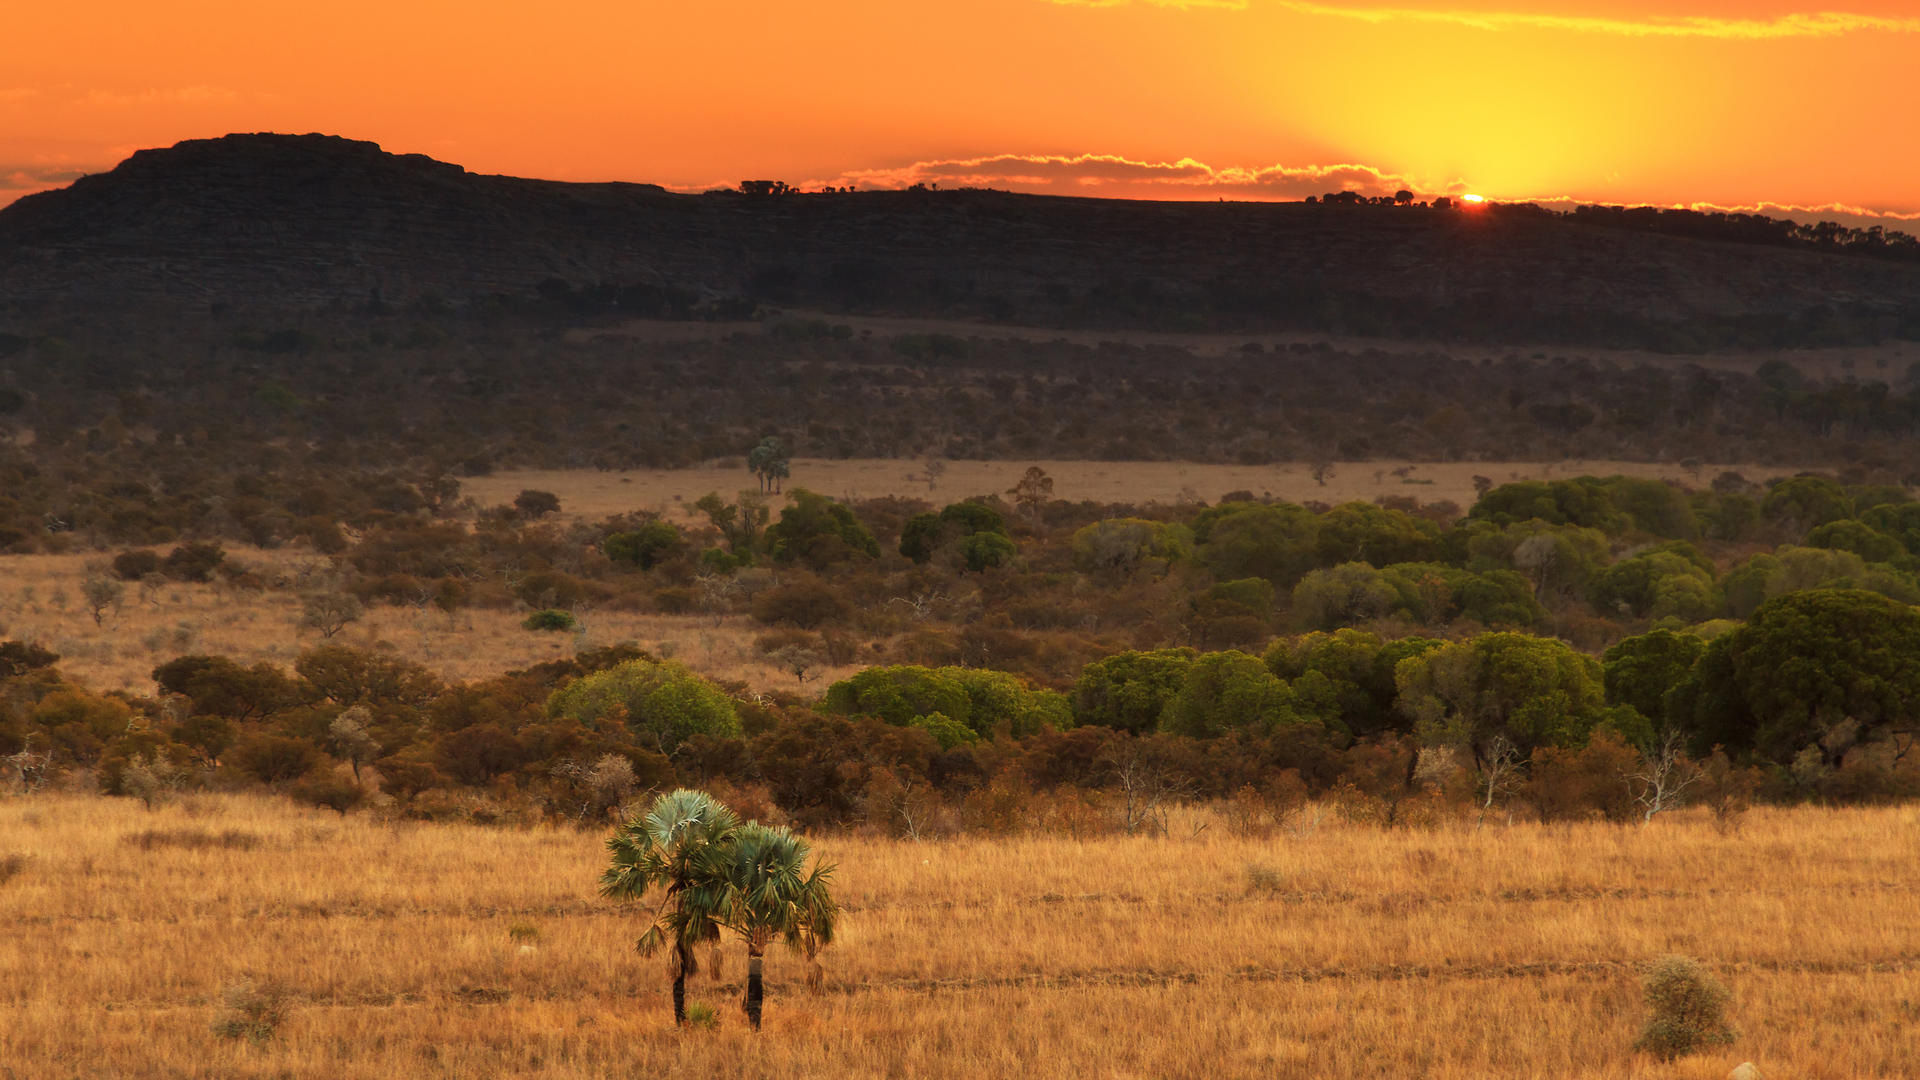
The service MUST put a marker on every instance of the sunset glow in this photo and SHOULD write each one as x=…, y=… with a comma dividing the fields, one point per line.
x=1600, y=100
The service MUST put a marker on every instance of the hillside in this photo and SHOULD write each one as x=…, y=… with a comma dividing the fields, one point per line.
x=283, y=222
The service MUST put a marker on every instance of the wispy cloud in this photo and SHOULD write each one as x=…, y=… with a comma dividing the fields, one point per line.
x=1793, y=25
x=1113, y=175
x=17, y=179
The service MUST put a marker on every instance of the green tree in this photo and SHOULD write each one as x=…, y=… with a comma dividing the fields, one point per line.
x=1346, y=678
x=645, y=547
x=738, y=522
x=1656, y=584
x=1241, y=540
x=1858, y=537
x=1123, y=545
x=771, y=893
x=1526, y=690
x=1640, y=671
x=1821, y=669
x=923, y=535
x=677, y=848
x=1365, y=533
x=1802, y=503
x=1342, y=596
x=1227, y=693
x=819, y=531
x=1130, y=691
x=770, y=463
x=660, y=702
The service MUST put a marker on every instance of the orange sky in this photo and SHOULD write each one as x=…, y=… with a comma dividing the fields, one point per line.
x=1608, y=100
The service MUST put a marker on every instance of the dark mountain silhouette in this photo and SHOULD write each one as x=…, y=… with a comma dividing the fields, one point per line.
x=311, y=221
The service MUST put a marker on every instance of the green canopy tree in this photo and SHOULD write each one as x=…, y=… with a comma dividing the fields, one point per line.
x=1346, y=678
x=1532, y=691
x=1365, y=533
x=819, y=531
x=660, y=702
x=771, y=893
x=645, y=547
x=676, y=848
x=1278, y=542
x=1819, y=669
x=1226, y=693
x=1640, y=672
x=770, y=463
x=1130, y=691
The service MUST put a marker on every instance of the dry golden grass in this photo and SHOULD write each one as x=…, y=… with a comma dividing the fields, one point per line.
x=1450, y=953
x=592, y=495
x=40, y=600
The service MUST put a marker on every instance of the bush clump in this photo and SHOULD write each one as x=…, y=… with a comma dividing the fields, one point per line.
x=1686, y=1007
x=550, y=619
x=252, y=1011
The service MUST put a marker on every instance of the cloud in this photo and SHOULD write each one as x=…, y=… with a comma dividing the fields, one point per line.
x=1110, y=175
x=179, y=95
x=18, y=179
x=1793, y=25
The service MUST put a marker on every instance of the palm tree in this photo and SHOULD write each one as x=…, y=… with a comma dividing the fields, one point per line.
x=772, y=893
x=675, y=848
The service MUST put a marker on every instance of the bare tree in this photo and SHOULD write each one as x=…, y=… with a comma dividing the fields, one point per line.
x=904, y=805
x=932, y=471
x=1664, y=775
x=32, y=770
x=1147, y=789
x=920, y=603
x=1499, y=775
x=1321, y=472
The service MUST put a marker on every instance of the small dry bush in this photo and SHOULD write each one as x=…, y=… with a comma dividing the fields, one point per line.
x=11, y=864
x=191, y=839
x=1686, y=1007
x=251, y=1011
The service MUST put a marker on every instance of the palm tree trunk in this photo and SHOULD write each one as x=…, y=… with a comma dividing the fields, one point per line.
x=681, y=962
x=755, y=988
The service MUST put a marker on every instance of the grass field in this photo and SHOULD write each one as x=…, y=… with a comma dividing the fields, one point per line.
x=595, y=495
x=422, y=950
x=40, y=600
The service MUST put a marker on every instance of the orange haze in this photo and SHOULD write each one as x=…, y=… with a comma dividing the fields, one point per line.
x=1616, y=100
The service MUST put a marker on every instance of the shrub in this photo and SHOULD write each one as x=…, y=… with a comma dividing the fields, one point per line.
x=136, y=564
x=1686, y=1009
x=273, y=758
x=536, y=504
x=193, y=562
x=806, y=604
x=252, y=1011
x=329, y=790
x=701, y=1015
x=550, y=619
x=645, y=547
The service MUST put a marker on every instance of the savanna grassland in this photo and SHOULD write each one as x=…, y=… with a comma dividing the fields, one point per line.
x=1319, y=948
x=591, y=495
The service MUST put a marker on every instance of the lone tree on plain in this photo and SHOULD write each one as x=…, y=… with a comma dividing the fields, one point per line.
x=680, y=848
x=770, y=463
x=772, y=893
x=1033, y=491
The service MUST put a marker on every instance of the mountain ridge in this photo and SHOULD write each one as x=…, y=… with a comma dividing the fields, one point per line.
x=300, y=222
